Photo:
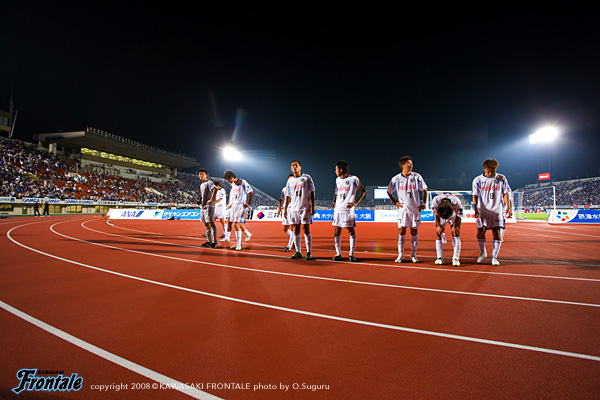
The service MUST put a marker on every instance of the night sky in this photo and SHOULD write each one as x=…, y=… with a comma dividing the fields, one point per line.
x=450, y=89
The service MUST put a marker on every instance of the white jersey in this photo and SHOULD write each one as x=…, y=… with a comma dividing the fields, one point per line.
x=345, y=191
x=490, y=192
x=455, y=201
x=299, y=190
x=206, y=192
x=222, y=195
x=239, y=193
x=407, y=189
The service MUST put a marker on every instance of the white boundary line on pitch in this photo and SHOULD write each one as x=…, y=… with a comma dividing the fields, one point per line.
x=319, y=315
x=309, y=276
x=115, y=359
x=337, y=262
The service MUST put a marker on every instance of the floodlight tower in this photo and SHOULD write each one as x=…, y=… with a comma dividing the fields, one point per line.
x=546, y=135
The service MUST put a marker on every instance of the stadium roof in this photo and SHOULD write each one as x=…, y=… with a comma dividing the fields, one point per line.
x=109, y=143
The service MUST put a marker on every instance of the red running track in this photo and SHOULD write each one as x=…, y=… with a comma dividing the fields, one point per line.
x=141, y=304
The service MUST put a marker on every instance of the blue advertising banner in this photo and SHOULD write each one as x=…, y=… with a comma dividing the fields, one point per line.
x=574, y=217
x=181, y=214
x=361, y=215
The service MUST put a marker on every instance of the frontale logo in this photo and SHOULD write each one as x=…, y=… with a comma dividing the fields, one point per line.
x=29, y=381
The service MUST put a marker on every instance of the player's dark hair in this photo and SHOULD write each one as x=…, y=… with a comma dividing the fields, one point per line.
x=444, y=210
x=203, y=170
x=405, y=159
x=293, y=161
x=490, y=163
x=343, y=166
x=216, y=182
x=290, y=175
x=228, y=175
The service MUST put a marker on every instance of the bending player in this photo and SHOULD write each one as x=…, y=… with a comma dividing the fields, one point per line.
x=285, y=221
x=208, y=192
x=447, y=209
x=240, y=198
x=490, y=198
x=343, y=213
x=300, y=198
x=408, y=186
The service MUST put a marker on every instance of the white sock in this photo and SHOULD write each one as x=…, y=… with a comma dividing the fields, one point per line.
x=291, y=238
x=439, y=248
x=401, y=241
x=225, y=229
x=308, y=242
x=297, y=243
x=496, y=248
x=456, y=244
x=352, y=245
x=209, y=234
x=247, y=232
x=238, y=238
x=414, y=242
x=337, y=241
x=502, y=231
x=481, y=244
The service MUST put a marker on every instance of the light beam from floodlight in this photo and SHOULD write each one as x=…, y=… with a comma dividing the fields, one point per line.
x=547, y=134
x=231, y=154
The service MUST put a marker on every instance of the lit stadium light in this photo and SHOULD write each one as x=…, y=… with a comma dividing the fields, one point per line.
x=231, y=154
x=547, y=134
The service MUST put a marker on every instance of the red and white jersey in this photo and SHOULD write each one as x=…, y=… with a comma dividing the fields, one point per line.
x=407, y=190
x=455, y=201
x=490, y=192
x=299, y=190
x=221, y=194
x=239, y=193
x=206, y=192
x=345, y=191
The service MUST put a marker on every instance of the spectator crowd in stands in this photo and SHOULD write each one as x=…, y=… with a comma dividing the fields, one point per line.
x=26, y=171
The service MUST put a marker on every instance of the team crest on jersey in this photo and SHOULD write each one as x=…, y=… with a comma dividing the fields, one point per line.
x=347, y=183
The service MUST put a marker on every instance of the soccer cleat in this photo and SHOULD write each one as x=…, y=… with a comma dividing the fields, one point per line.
x=352, y=259
x=481, y=257
x=308, y=256
x=233, y=247
x=205, y=244
x=213, y=245
x=495, y=261
x=287, y=248
x=226, y=239
x=296, y=255
x=414, y=259
x=439, y=261
x=248, y=236
x=399, y=259
x=337, y=258
x=222, y=236
x=455, y=262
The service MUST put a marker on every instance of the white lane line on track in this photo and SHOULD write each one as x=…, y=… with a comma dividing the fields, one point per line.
x=318, y=315
x=171, y=383
x=336, y=262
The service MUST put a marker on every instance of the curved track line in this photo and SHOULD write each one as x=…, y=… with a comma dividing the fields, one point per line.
x=319, y=315
x=115, y=359
x=339, y=262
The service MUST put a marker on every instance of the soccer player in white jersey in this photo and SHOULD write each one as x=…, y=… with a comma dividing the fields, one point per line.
x=447, y=209
x=411, y=189
x=220, y=206
x=492, y=206
x=207, y=214
x=285, y=221
x=240, y=198
x=346, y=187
x=300, y=198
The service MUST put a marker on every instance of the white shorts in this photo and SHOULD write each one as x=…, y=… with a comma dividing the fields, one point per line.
x=237, y=213
x=285, y=221
x=207, y=214
x=490, y=220
x=301, y=217
x=219, y=212
x=408, y=219
x=344, y=218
